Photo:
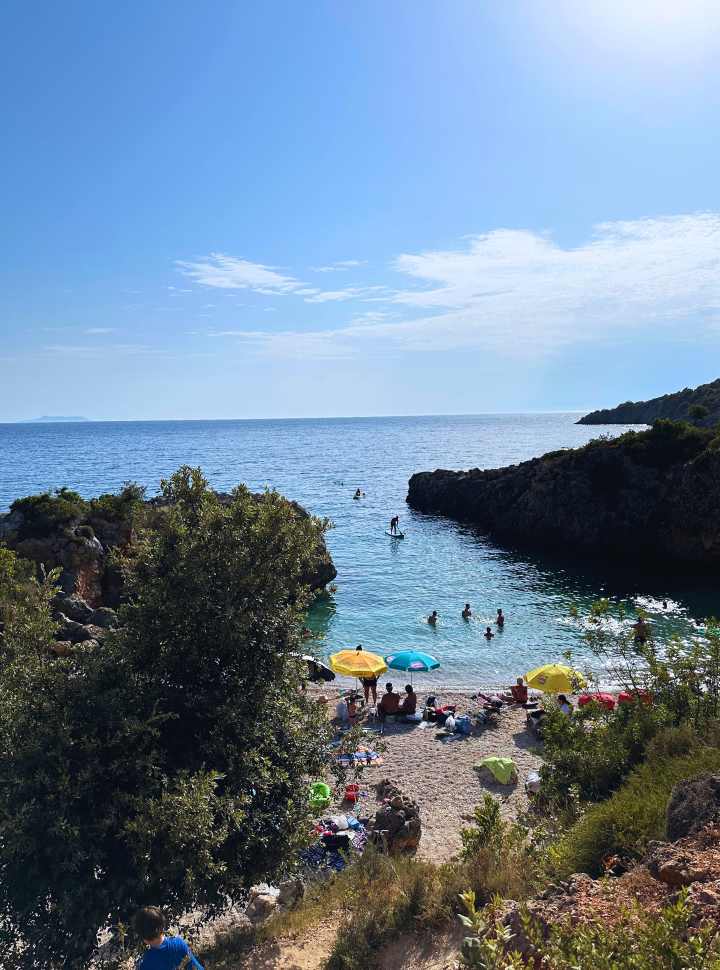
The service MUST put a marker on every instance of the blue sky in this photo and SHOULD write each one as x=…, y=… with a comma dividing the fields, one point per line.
x=235, y=209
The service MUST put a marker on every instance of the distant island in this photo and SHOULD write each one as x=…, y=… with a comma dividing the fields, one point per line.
x=54, y=418
x=672, y=406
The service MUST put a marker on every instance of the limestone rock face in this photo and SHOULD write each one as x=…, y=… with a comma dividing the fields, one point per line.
x=397, y=825
x=694, y=803
x=605, y=498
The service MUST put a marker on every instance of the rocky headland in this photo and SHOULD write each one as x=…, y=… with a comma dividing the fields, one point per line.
x=674, y=407
x=81, y=539
x=652, y=493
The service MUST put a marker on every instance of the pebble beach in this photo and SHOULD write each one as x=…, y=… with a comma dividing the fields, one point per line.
x=440, y=773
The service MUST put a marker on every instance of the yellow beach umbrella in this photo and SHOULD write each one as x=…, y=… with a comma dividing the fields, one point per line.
x=555, y=678
x=357, y=663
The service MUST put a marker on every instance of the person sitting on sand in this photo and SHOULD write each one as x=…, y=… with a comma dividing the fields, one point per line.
x=500, y=618
x=488, y=634
x=467, y=612
x=564, y=705
x=432, y=620
x=394, y=525
x=519, y=692
x=409, y=704
x=389, y=703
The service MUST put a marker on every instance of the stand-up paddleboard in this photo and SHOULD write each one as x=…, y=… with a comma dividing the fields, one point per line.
x=394, y=535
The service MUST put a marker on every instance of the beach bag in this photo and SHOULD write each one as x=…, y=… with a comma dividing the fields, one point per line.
x=464, y=724
x=532, y=783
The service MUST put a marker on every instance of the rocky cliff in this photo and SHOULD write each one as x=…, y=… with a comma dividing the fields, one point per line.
x=653, y=493
x=82, y=546
x=671, y=406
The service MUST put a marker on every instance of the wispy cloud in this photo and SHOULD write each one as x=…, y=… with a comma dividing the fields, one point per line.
x=340, y=267
x=101, y=330
x=229, y=272
x=519, y=293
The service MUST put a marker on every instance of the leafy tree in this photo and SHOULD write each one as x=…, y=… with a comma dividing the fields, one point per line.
x=169, y=766
x=696, y=412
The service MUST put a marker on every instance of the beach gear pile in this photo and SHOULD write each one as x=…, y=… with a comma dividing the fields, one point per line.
x=339, y=838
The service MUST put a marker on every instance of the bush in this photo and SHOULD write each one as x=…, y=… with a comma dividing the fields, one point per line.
x=642, y=942
x=591, y=753
x=171, y=767
x=625, y=823
x=49, y=511
x=126, y=505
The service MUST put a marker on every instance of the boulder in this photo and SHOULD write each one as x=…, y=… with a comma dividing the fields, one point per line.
x=105, y=618
x=261, y=906
x=396, y=826
x=73, y=607
x=675, y=866
x=694, y=803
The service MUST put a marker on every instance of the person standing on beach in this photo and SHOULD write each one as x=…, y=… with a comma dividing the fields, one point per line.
x=500, y=618
x=432, y=620
x=369, y=684
x=467, y=612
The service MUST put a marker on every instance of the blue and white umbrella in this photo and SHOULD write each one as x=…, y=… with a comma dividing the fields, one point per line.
x=411, y=661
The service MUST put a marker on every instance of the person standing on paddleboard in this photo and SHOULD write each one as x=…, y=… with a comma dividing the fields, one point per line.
x=394, y=524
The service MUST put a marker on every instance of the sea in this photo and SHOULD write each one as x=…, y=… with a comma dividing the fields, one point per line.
x=386, y=588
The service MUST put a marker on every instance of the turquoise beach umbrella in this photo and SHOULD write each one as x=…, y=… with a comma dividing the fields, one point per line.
x=411, y=661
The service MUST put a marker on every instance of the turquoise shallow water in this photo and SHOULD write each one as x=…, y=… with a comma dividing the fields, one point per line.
x=386, y=588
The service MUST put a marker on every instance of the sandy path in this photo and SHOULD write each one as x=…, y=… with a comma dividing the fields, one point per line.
x=307, y=953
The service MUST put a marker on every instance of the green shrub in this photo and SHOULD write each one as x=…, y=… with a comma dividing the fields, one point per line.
x=126, y=505
x=642, y=942
x=626, y=822
x=591, y=753
x=49, y=511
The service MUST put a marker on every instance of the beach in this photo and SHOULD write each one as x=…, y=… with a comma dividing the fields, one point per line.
x=439, y=774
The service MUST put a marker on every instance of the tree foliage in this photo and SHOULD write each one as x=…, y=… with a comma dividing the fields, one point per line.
x=169, y=766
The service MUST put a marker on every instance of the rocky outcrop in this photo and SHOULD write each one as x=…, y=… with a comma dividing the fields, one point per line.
x=655, y=493
x=396, y=827
x=694, y=803
x=91, y=580
x=672, y=406
x=693, y=862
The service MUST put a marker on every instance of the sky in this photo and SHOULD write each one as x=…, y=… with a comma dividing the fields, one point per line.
x=280, y=209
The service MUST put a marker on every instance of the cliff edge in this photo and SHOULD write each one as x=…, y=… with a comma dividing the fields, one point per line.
x=674, y=407
x=652, y=493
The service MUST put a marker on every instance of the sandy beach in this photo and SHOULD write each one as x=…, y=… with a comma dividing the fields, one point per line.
x=440, y=774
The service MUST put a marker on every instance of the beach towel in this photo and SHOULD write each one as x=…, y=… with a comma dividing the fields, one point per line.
x=363, y=756
x=502, y=769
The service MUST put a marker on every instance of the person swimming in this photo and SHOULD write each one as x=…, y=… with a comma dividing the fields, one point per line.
x=394, y=525
x=488, y=634
x=467, y=612
x=432, y=620
x=500, y=618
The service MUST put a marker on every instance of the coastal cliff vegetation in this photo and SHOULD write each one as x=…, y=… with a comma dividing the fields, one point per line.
x=700, y=404
x=169, y=761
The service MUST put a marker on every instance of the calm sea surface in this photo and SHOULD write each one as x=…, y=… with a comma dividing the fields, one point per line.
x=386, y=588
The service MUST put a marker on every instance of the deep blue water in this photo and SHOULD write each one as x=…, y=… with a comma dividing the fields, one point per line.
x=386, y=588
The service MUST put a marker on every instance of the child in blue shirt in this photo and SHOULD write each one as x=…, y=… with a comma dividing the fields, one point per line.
x=164, y=952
